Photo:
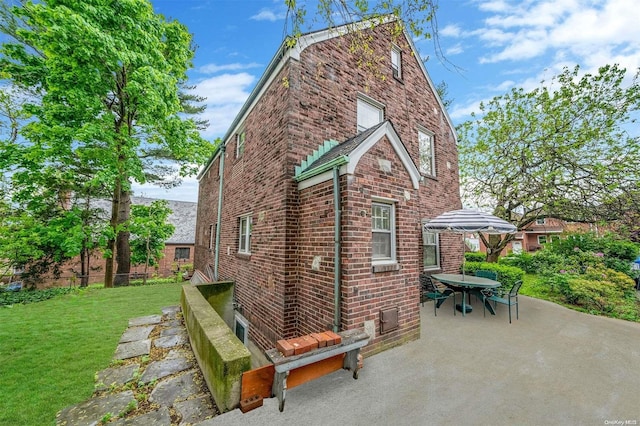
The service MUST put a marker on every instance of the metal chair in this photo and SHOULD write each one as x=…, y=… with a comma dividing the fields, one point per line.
x=492, y=275
x=511, y=299
x=428, y=291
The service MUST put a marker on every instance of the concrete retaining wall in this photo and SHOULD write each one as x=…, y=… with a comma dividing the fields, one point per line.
x=221, y=356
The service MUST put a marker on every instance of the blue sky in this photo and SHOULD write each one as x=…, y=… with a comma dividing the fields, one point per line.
x=495, y=45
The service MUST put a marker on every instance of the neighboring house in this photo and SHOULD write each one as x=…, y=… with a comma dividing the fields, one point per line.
x=326, y=176
x=178, y=251
x=542, y=231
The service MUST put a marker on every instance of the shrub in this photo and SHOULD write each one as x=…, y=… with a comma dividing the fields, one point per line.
x=598, y=290
x=475, y=256
x=31, y=296
x=507, y=275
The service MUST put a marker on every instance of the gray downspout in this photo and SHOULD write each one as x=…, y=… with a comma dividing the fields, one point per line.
x=219, y=218
x=336, y=243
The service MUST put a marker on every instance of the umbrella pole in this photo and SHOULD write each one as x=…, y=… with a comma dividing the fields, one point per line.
x=464, y=258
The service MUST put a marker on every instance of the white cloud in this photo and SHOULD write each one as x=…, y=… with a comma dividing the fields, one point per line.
x=530, y=29
x=268, y=15
x=215, y=68
x=450, y=31
x=225, y=93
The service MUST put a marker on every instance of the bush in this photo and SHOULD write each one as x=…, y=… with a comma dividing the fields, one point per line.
x=475, y=256
x=31, y=296
x=598, y=290
x=507, y=275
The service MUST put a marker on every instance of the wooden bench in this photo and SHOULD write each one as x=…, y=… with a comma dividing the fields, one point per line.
x=317, y=362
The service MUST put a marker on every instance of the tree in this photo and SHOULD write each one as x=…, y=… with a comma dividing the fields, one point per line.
x=107, y=76
x=562, y=150
x=149, y=231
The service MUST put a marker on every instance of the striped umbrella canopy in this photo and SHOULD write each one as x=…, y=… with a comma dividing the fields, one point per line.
x=466, y=220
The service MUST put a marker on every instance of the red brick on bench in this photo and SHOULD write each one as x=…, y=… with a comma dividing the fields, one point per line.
x=321, y=338
x=285, y=347
x=335, y=338
x=303, y=344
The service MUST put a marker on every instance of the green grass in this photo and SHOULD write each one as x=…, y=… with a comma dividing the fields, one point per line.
x=51, y=350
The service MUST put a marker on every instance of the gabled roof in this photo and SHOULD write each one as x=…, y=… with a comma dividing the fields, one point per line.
x=183, y=217
x=284, y=53
x=347, y=155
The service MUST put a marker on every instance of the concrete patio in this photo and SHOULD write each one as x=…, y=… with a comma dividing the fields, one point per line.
x=553, y=365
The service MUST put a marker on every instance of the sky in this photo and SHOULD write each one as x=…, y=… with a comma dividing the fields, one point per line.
x=490, y=46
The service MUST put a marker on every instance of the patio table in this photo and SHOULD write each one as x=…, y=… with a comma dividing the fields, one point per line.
x=470, y=284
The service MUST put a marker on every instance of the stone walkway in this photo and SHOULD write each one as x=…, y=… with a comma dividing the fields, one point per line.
x=153, y=380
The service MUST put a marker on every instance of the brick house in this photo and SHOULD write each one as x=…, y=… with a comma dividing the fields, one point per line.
x=178, y=252
x=327, y=174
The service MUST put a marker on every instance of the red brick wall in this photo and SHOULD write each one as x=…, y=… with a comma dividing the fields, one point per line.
x=310, y=101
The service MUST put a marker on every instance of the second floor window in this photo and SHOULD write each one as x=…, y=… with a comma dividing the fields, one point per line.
x=540, y=221
x=396, y=62
x=240, y=137
x=427, y=161
x=244, y=243
x=383, y=232
x=370, y=113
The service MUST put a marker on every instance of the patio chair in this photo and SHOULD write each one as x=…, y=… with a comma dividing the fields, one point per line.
x=492, y=275
x=510, y=300
x=429, y=291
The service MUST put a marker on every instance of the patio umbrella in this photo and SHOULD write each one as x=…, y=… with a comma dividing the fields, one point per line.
x=466, y=220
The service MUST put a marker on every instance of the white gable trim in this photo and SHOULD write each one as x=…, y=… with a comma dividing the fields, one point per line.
x=354, y=158
x=385, y=130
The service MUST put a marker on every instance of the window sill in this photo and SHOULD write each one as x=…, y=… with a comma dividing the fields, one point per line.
x=245, y=256
x=386, y=267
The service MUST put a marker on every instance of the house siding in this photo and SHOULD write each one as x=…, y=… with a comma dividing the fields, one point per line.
x=310, y=101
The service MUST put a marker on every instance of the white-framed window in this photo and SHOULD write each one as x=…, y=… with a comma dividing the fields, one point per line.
x=244, y=242
x=396, y=62
x=383, y=232
x=240, y=138
x=427, y=159
x=430, y=250
x=542, y=239
x=370, y=112
x=540, y=221
x=212, y=233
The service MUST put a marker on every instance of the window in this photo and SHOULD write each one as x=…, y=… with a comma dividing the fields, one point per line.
x=396, y=62
x=240, y=137
x=540, y=221
x=430, y=250
x=370, y=113
x=383, y=232
x=182, y=253
x=427, y=159
x=542, y=239
x=212, y=233
x=244, y=244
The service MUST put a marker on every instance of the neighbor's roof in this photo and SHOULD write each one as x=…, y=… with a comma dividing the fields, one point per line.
x=284, y=53
x=183, y=217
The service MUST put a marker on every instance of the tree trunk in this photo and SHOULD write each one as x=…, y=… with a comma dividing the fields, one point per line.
x=84, y=265
x=123, y=250
x=495, y=244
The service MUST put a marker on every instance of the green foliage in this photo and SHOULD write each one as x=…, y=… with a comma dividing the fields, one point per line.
x=475, y=256
x=507, y=275
x=149, y=231
x=602, y=291
x=104, y=102
x=30, y=296
x=560, y=150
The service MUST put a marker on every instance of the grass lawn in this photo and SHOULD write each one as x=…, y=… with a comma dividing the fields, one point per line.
x=50, y=351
